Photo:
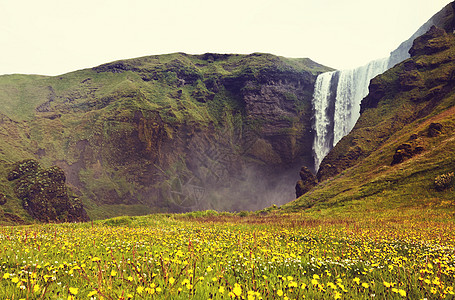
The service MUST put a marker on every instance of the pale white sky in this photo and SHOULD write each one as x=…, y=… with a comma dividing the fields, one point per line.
x=52, y=37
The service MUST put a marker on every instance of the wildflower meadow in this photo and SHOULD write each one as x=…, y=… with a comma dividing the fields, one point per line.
x=231, y=257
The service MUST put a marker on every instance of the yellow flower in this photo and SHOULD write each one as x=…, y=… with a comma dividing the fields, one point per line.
x=316, y=276
x=237, y=290
x=171, y=280
x=113, y=273
x=365, y=285
x=337, y=295
x=139, y=289
x=74, y=291
x=15, y=279
x=386, y=284
x=402, y=293
x=92, y=293
x=279, y=293
x=158, y=290
x=130, y=278
x=221, y=290
x=95, y=259
x=292, y=284
x=36, y=288
x=332, y=285
x=6, y=276
x=356, y=280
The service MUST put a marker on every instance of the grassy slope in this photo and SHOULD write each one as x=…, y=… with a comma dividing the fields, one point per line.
x=372, y=184
x=87, y=104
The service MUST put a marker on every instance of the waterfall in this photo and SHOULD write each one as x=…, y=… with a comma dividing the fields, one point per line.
x=351, y=89
x=322, y=125
x=336, y=104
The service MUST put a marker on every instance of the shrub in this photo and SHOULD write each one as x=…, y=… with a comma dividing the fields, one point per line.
x=444, y=181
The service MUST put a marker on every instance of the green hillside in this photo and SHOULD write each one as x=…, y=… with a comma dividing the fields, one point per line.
x=161, y=133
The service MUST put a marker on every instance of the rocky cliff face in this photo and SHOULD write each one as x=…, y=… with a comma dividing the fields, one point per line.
x=171, y=133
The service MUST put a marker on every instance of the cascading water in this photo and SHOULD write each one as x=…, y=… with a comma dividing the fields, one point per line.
x=351, y=89
x=322, y=123
x=343, y=90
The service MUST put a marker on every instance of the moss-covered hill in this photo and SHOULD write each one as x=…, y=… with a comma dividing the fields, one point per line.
x=162, y=133
x=401, y=150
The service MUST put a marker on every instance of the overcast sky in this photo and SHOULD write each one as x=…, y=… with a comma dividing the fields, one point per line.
x=52, y=37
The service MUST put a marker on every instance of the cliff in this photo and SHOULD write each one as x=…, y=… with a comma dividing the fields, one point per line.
x=168, y=133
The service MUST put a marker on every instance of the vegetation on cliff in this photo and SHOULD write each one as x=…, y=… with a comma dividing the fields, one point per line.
x=164, y=133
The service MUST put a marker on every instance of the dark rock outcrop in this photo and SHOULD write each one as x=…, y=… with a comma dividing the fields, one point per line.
x=406, y=151
x=433, y=41
x=44, y=194
x=307, y=182
x=434, y=129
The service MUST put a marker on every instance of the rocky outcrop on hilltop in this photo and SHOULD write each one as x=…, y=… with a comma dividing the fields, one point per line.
x=433, y=41
x=443, y=19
